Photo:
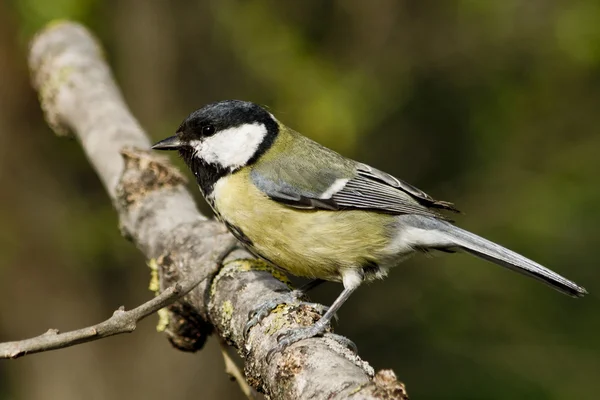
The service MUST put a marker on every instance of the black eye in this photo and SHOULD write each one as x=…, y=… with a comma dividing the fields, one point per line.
x=208, y=130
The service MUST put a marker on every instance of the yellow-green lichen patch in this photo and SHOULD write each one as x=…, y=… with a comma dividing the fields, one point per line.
x=163, y=320
x=48, y=91
x=226, y=312
x=259, y=265
x=245, y=265
x=356, y=390
x=154, y=285
x=280, y=320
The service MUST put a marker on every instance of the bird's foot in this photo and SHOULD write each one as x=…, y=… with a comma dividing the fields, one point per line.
x=295, y=335
x=293, y=298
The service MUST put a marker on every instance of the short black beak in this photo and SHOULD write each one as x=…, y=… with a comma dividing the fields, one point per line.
x=171, y=143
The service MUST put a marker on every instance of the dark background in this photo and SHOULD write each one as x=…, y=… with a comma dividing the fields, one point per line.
x=494, y=105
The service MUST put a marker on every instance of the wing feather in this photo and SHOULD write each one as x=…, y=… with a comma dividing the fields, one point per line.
x=364, y=193
x=395, y=183
x=344, y=185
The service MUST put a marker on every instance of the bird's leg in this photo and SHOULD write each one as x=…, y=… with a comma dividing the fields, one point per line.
x=296, y=296
x=318, y=328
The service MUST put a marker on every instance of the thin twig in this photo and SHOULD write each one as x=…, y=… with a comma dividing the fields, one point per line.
x=120, y=322
x=233, y=370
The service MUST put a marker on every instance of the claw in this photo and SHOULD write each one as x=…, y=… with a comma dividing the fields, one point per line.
x=318, y=328
x=256, y=316
x=290, y=337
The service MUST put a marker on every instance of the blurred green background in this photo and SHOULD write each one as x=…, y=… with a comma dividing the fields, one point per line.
x=494, y=105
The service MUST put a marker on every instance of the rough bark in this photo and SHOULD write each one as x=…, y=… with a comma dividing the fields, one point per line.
x=79, y=97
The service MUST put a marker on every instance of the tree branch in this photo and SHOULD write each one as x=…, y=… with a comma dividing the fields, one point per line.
x=79, y=96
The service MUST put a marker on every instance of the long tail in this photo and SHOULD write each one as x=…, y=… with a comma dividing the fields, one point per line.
x=448, y=235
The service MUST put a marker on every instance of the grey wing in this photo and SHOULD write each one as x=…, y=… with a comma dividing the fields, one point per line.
x=298, y=186
x=371, y=174
x=364, y=188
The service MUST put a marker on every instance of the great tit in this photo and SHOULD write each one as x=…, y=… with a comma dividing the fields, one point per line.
x=311, y=212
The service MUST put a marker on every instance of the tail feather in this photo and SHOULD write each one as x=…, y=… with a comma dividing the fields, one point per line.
x=490, y=251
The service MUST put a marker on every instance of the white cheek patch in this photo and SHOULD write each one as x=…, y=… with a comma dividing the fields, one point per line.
x=231, y=148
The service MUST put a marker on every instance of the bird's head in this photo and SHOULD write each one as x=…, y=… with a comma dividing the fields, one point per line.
x=226, y=135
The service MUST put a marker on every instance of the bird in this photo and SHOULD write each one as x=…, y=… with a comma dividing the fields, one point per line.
x=311, y=212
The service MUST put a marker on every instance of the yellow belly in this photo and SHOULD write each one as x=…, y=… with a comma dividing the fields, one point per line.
x=306, y=243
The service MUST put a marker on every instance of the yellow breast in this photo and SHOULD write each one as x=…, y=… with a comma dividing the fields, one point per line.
x=306, y=243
